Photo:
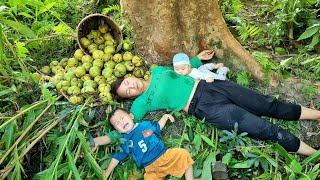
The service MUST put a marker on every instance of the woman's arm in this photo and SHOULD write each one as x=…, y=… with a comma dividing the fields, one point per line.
x=113, y=163
x=162, y=122
x=204, y=55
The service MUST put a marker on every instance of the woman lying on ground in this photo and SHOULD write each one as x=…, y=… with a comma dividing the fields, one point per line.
x=221, y=103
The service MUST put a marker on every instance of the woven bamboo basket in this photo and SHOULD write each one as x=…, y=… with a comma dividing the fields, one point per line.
x=92, y=22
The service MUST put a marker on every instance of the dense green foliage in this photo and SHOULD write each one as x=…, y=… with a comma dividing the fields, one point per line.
x=42, y=134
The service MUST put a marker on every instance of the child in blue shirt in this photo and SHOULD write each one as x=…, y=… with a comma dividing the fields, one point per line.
x=147, y=150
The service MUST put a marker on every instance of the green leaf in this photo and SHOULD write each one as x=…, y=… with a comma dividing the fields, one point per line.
x=244, y=164
x=226, y=159
x=88, y=157
x=313, y=157
x=25, y=14
x=207, y=140
x=22, y=51
x=295, y=166
x=309, y=32
x=8, y=91
x=197, y=142
x=46, y=8
x=315, y=40
x=282, y=152
x=8, y=135
x=20, y=28
x=206, y=170
x=72, y=166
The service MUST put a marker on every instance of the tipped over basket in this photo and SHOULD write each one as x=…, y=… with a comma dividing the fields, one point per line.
x=92, y=22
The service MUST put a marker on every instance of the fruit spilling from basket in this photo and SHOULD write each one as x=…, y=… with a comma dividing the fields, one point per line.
x=91, y=74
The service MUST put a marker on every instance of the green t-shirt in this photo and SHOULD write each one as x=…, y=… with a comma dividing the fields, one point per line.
x=167, y=90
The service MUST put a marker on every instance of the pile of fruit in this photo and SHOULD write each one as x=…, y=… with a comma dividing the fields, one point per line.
x=93, y=74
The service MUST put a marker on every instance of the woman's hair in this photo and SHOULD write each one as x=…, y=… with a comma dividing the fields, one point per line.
x=114, y=87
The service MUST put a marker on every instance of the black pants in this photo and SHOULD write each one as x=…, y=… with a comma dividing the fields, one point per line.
x=223, y=103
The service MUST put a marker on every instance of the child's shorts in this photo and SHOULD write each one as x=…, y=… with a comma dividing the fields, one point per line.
x=173, y=162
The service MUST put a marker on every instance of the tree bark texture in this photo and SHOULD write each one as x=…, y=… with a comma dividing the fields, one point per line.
x=164, y=28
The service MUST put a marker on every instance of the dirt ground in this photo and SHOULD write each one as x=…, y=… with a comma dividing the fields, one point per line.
x=310, y=130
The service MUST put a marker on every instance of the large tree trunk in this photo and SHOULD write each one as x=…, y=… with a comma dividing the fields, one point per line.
x=163, y=28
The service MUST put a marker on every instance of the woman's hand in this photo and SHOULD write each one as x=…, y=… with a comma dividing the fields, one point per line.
x=206, y=54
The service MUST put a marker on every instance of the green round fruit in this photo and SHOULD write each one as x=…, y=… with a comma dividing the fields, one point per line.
x=107, y=72
x=99, y=79
x=129, y=65
x=137, y=61
x=59, y=71
x=36, y=76
x=107, y=57
x=109, y=50
x=87, y=66
x=86, y=59
x=101, y=47
x=54, y=63
x=94, y=34
x=138, y=72
x=73, y=90
x=95, y=71
x=76, y=82
x=73, y=62
x=90, y=83
x=110, y=64
x=80, y=71
x=63, y=62
x=98, y=62
x=104, y=87
x=76, y=99
x=105, y=97
x=111, y=79
x=85, y=42
x=97, y=54
x=86, y=77
x=127, y=56
x=92, y=47
x=99, y=40
x=107, y=36
x=87, y=89
x=78, y=54
x=45, y=70
x=147, y=75
x=69, y=75
x=117, y=58
x=126, y=46
x=103, y=28
x=110, y=43
x=57, y=78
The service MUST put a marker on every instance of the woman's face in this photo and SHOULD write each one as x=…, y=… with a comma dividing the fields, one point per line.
x=130, y=87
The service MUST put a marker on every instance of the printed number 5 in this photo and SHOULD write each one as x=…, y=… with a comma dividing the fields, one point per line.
x=143, y=146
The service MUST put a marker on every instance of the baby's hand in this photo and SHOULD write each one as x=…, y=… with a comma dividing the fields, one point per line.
x=168, y=116
x=210, y=79
x=219, y=65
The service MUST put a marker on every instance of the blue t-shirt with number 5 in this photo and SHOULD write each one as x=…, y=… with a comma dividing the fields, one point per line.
x=142, y=143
